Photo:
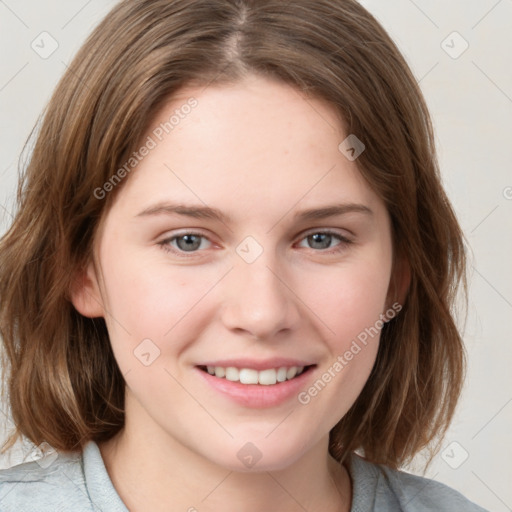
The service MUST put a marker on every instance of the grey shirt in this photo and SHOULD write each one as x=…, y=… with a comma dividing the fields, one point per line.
x=80, y=483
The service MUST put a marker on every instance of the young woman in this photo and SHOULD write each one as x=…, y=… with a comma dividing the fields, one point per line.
x=233, y=267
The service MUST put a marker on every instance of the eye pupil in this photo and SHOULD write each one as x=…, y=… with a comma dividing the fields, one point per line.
x=192, y=242
x=323, y=239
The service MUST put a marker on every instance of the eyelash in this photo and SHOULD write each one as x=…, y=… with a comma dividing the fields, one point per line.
x=343, y=242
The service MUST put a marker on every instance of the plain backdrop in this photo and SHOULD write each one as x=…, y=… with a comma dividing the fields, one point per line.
x=460, y=52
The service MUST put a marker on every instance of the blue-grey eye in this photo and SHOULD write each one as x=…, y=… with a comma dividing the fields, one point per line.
x=188, y=242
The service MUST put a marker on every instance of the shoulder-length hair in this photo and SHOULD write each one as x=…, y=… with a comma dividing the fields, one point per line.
x=63, y=382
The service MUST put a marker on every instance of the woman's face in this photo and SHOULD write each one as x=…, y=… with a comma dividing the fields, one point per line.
x=246, y=243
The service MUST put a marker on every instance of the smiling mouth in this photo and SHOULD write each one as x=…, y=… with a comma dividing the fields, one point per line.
x=268, y=377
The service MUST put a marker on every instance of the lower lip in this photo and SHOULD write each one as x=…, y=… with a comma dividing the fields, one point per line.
x=257, y=396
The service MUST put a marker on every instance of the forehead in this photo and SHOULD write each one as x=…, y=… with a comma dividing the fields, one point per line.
x=254, y=146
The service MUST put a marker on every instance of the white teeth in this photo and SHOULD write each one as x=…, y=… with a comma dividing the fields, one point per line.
x=232, y=373
x=249, y=376
x=267, y=377
x=281, y=375
x=291, y=372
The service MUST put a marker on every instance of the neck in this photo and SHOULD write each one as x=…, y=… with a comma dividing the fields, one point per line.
x=151, y=470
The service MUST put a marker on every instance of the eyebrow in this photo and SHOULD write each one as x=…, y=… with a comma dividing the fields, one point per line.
x=207, y=212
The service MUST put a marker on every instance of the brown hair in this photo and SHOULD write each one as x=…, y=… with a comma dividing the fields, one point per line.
x=64, y=385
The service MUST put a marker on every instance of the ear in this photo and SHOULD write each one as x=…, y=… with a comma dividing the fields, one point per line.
x=400, y=281
x=85, y=293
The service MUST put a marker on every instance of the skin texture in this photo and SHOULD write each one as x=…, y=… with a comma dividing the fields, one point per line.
x=260, y=152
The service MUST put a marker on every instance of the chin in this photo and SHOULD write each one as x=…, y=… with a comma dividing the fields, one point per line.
x=262, y=454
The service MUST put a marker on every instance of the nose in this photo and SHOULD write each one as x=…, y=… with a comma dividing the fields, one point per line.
x=259, y=300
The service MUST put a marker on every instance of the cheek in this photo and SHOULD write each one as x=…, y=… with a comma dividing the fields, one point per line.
x=151, y=297
x=347, y=300
x=154, y=301
x=350, y=306
x=350, y=309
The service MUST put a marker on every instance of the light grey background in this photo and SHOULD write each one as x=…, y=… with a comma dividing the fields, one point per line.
x=470, y=96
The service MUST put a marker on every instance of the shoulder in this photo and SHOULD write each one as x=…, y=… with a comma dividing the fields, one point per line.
x=393, y=490
x=53, y=483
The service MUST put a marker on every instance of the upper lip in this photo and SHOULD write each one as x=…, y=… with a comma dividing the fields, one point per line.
x=263, y=364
